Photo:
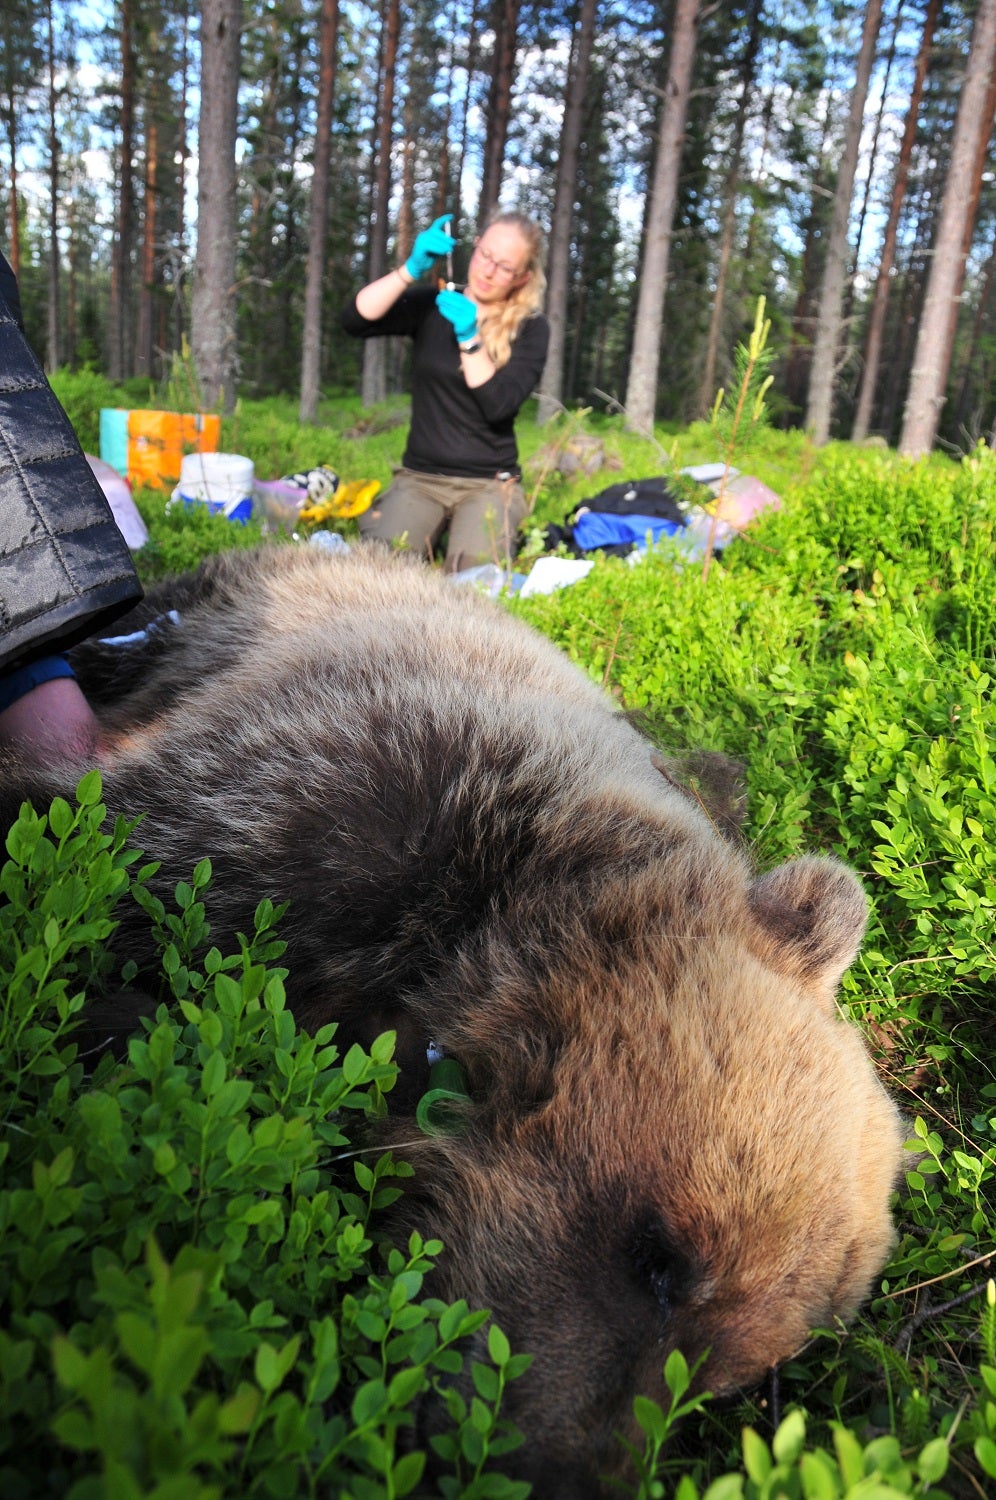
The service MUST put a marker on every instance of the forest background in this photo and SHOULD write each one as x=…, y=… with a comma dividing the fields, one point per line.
x=218, y=181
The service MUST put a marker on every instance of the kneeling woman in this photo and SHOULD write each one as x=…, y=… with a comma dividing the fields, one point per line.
x=477, y=354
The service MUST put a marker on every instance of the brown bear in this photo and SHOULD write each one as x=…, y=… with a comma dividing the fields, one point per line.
x=672, y=1138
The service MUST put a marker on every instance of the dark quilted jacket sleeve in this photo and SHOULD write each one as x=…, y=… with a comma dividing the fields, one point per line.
x=65, y=568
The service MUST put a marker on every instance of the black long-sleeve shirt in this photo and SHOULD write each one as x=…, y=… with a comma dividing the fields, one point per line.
x=457, y=430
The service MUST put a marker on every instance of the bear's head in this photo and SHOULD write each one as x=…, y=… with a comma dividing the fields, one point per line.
x=674, y=1141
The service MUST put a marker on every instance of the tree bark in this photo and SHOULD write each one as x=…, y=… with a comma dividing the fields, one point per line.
x=52, y=340
x=405, y=236
x=880, y=296
x=179, y=258
x=871, y=176
x=212, y=320
x=311, y=341
x=641, y=388
x=72, y=283
x=471, y=66
x=707, y=389
x=932, y=355
x=823, y=367
x=14, y=222
x=18, y=75
x=121, y=251
x=444, y=188
x=145, y=343
x=971, y=211
x=374, y=382
x=558, y=256
x=499, y=107
x=966, y=420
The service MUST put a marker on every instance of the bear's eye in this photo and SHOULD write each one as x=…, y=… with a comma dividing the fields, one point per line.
x=657, y=1264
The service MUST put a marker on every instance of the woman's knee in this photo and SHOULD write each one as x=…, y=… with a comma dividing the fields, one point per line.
x=405, y=517
x=484, y=526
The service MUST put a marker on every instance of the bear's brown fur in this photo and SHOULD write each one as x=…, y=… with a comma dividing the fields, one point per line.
x=674, y=1139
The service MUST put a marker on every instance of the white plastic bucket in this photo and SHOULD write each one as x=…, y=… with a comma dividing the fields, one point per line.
x=221, y=481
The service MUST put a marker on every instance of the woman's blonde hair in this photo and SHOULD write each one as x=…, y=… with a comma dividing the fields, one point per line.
x=501, y=321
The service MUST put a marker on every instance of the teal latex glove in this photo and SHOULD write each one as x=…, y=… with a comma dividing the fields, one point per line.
x=429, y=246
x=460, y=311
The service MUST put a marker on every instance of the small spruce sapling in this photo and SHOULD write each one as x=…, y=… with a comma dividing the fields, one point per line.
x=735, y=417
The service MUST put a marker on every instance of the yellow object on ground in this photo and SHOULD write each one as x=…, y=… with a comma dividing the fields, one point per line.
x=350, y=499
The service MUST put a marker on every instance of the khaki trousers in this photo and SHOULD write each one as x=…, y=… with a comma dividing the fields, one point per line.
x=481, y=516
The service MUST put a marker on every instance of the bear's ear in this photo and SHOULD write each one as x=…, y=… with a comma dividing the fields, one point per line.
x=812, y=914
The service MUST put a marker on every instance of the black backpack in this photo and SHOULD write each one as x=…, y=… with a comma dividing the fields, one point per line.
x=634, y=497
x=639, y=497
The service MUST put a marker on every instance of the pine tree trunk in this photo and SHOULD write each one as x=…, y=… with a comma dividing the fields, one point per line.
x=966, y=420
x=823, y=367
x=212, y=320
x=932, y=355
x=14, y=222
x=971, y=212
x=145, y=343
x=471, y=65
x=374, y=382
x=641, y=388
x=72, y=283
x=52, y=341
x=405, y=237
x=179, y=311
x=871, y=177
x=13, y=83
x=311, y=339
x=444, y=194
x=119, y=322
x=707, y=389
x=880, y=296
x=558, y=257
x=499, y=107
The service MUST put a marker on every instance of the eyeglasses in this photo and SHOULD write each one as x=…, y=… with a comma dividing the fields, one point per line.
x=499, y=267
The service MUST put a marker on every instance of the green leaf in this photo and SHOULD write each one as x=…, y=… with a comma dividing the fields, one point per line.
x=676, y=1376
x=933, y=1461
x=236, y=1414
x=274, y=1365
x=72, y=1367
x=213, y=1075
x=850, y=1455
x=178, y=1357
x=406, y=1385
x=407, y=1473
x=818, y=1477
x=138, y=1340
x=75, y=1430
x=498, y=1346
x=487, y=1382
x=369, y=1402
x=757, y=1458
x=790, y=1439
x=354, y=1065
x=164, y=1158
x=985, y=1452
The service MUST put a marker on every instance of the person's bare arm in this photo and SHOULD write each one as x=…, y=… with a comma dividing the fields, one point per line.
x=378, y=297
x=53, y=723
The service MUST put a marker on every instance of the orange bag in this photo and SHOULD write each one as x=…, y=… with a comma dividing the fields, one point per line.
x=157, y=441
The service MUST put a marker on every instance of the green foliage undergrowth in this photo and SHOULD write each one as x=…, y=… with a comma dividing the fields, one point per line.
x=197, y=1298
